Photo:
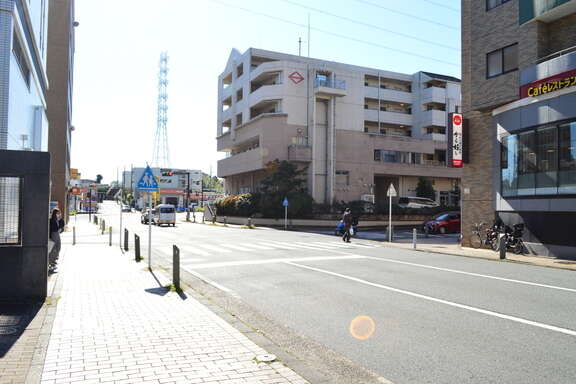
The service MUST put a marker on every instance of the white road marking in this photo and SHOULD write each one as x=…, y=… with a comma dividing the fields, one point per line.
x=473, y=274
x=236, y=247
x=441, y=301
x=211, y=282
x=214, y=248
x=273, y=261
x=190, y=249
x=317, y=246
x=279, y=246
x=254, y=246
x=298, y=246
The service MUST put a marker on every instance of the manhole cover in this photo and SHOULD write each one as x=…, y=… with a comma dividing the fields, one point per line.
x=9, y=320
x=268, y=358
x=8, y=330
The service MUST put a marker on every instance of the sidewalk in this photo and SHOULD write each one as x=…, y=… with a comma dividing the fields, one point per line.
x=457, y=250
x=117, y=323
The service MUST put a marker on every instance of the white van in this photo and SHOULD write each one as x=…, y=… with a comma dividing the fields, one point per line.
x=416, y=202
x=164, y=214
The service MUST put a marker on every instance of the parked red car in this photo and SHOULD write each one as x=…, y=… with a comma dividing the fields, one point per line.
x=448, y=222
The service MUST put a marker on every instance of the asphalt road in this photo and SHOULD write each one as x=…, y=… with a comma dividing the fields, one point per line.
x=411, y=317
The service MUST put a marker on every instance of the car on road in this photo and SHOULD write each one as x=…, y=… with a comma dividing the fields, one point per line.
x=126, y=208
x=416, y=202
x=144, y=217
x=164, y=214
x=447, y=222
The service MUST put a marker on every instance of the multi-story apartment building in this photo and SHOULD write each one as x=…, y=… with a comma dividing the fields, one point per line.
x=23, y=75
x=60, y=66
x=519, y=93
x=356, y=129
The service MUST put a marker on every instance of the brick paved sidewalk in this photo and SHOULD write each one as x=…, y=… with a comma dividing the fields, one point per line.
x=115, y=324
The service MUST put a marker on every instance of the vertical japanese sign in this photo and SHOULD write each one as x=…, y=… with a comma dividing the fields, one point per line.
x=456, y=140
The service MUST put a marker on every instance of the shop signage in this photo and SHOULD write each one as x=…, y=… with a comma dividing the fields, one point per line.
x=171, y=191
x=457, y=139
x=549, y=84
x=75, y=191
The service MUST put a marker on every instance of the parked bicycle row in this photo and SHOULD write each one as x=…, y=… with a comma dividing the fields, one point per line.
x=489, y=236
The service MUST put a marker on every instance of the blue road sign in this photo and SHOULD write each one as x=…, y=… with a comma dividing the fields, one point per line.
x=147, y=181
x=285, y=202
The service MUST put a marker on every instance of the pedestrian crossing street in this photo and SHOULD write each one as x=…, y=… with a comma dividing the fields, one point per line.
x=204, y=249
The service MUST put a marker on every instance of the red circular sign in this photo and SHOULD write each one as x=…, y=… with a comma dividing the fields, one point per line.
x=457, y=119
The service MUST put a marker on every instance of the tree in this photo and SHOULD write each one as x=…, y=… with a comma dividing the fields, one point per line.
x=284, y=180
x=425, y=189
x=99, y=178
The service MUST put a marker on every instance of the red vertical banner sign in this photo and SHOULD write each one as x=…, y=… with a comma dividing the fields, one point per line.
x=456, y=140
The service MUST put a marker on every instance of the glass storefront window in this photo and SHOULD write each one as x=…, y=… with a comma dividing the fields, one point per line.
x=547, y=158
x=539, y=162
x=567, y=163
x=526, y=163
x=509, y=172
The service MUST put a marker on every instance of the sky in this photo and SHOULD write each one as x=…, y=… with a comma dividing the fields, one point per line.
x=118, y=46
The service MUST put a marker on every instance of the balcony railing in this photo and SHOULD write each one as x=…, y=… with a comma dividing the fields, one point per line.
x=330, y=83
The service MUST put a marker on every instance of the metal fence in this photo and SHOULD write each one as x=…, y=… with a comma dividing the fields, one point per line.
x=10, y=210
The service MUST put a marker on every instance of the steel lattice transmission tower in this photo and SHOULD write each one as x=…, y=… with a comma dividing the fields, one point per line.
x=161, y=156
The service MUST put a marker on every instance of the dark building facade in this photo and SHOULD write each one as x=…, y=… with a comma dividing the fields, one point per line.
x=519, y=95
x=60, y=69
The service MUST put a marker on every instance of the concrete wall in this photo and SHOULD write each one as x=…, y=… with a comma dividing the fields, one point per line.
x=24, y=268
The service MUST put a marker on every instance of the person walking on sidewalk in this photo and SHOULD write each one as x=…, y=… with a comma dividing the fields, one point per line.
x=56, y=227
x=347, y=220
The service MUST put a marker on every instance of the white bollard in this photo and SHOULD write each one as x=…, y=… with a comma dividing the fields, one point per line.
x=414, y=235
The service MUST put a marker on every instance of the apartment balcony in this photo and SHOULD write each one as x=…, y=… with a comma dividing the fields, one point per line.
x=548, y=66
x=399, y=118
x=434, y=117
x=388, y=95
x=434, y=95
x=330, y=87
x=440, y=137
x=243, y=162
x=545, y=10
x=429, y=168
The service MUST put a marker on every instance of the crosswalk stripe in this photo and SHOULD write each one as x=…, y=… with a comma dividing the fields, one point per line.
x=317, y=245
x=214, y=248
x=255, y=246
x=334, y=245
x=300, y=246
x=278, y=245
x=193, y=250
x=273, y=261
x=236, y=247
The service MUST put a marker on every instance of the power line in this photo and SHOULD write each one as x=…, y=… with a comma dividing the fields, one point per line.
x=333, y=34
x=370, y=25
x=442, y=5
x=407, y=14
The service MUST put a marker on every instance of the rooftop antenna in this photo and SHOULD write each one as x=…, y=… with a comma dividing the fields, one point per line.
x=161, y=156
x=299, y=46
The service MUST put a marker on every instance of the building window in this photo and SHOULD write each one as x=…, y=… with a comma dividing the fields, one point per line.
x=238, y=119
x=10, y=210
x=539, y=162
x=494, y=3
x=342, y=178
x=19, y=55
x=377, y=155
x=239, y=94
x=502, y=61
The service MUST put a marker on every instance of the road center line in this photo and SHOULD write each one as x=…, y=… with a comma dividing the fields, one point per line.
x=472, y=274
x=441, y=301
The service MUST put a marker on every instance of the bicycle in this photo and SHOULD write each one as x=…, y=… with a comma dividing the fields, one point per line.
x=484, y=236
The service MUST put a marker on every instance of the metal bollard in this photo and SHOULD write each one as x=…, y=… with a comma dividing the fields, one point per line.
x=214, y=219
x=74, y=235
x=126, y=240
x=249, y=222
x=110, y=236
x=502, y=246
x=176, y=267
x=137, y=248
x=103, y=226
x=391, y=233
x=95, y=219
x=414, y=236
